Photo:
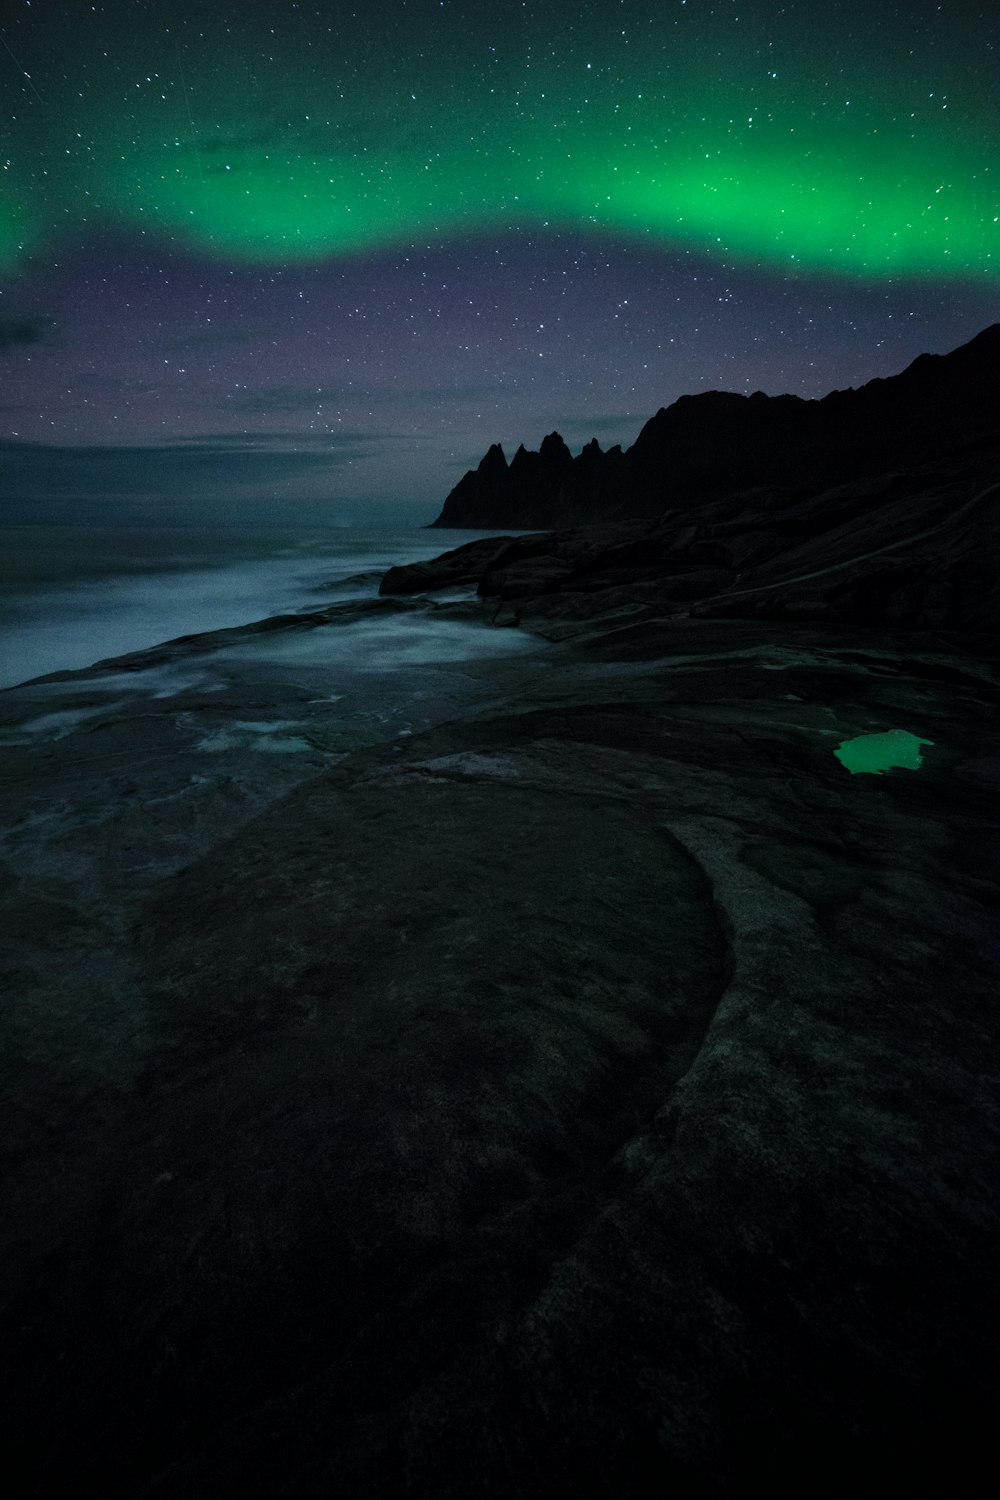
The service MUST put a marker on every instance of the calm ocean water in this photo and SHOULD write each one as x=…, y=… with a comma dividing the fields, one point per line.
x=73, y=594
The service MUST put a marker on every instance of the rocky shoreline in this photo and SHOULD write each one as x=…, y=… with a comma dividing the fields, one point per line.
x=912, y=547
x=586, y=1077
x=532, y=1032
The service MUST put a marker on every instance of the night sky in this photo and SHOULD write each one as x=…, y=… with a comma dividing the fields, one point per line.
x=311, y=250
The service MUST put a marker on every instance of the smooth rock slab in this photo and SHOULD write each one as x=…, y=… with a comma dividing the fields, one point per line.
x=596, y=1093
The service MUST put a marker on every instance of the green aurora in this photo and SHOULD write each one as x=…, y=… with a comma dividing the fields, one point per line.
x=797, y=152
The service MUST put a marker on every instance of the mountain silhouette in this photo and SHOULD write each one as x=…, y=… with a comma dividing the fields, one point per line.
x=704, y=447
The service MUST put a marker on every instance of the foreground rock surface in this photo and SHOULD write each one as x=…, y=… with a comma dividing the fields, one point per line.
x=594, y=1092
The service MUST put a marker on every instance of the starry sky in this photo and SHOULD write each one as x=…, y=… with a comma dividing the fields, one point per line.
x=334, y=250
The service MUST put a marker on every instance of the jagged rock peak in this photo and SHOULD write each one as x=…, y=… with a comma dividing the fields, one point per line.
x=495, y=458
x=591, y=450
x=554, y=447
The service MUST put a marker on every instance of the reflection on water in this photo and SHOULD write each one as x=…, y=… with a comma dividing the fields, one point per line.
x=875, y=753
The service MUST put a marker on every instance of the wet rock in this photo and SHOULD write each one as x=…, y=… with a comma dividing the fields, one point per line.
x=465, y=564
x=526, y=577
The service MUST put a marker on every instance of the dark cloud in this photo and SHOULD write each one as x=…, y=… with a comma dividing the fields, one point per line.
x=34, y=470
x=17, y=331
x=295, y=396
x=452, y=391
x=341, y=442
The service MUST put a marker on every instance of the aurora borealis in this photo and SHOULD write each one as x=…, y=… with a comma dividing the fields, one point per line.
x=394, y=235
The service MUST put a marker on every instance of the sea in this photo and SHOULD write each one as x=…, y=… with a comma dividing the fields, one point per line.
x=109, y=579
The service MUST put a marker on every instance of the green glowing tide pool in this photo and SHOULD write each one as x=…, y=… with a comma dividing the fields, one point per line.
x=876, y=753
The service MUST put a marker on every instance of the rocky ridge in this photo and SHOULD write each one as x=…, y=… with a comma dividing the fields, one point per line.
x=704, y=447
x=914, y=546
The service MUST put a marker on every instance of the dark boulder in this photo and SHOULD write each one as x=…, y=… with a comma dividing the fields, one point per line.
x=465, y=564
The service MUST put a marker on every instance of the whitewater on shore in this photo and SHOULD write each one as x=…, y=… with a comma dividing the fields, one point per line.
x=71, y=596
